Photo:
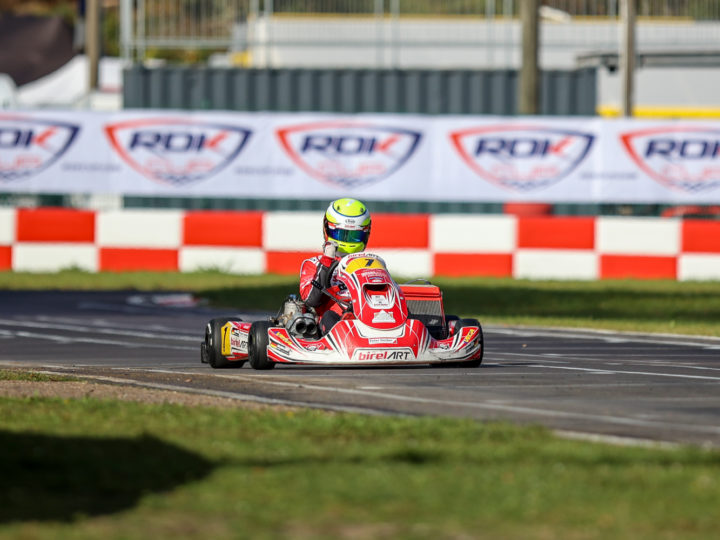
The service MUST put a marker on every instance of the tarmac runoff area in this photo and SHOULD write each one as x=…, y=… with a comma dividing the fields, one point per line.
x=616, y=387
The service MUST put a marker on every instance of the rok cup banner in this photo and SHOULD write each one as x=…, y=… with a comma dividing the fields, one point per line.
x=382, y=157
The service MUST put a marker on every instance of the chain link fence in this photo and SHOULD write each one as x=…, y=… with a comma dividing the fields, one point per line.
x=401, y=33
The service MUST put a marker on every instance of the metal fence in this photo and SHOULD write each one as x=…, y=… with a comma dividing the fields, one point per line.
x=403, y=33
x=563, y=92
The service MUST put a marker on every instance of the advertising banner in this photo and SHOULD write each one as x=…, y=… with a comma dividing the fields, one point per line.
x=373, y=156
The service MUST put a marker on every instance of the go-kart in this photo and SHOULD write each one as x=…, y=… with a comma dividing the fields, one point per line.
x=383, y=323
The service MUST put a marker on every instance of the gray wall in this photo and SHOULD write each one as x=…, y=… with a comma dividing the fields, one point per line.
x=571, y=92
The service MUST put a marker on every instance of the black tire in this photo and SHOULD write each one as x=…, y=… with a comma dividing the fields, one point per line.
x=257, y=346
x=448, y=319
x=211, y=347
x=477, y=361
x=469, y=363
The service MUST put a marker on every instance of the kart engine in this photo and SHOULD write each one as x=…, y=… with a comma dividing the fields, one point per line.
x=296, y=320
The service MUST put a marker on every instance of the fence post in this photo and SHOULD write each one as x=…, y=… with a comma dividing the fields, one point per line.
x=529, y=79
x=92, y=42
x=379, y=10
x=126, y=29
x=627, y=56
x=394, y=33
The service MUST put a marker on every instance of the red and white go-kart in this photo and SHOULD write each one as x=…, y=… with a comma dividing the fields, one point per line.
x=383, y=324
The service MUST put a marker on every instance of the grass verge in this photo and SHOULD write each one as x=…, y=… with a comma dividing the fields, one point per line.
x=103, y=469
x=643, y=306
x=31, y=376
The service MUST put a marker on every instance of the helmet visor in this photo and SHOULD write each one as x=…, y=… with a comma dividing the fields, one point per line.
x=343, y=235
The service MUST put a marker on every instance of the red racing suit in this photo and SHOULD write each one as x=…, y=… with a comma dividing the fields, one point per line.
x=317, y=268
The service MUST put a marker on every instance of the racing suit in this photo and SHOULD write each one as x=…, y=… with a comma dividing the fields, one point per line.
x=317, y=269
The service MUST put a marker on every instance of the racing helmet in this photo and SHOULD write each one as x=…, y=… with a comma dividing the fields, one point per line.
x=347, y=222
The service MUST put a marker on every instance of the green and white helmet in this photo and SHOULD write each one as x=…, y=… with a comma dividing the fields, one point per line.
x=347, y=222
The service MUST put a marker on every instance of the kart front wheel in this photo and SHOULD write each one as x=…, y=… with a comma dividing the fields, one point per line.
x=477, y=361
x=258, y=344
x=211, y=347
x=461, y=323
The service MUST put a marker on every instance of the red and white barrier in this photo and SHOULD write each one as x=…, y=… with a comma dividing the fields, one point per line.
x=414, y=245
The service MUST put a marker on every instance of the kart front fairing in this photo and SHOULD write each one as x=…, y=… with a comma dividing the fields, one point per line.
x=351, y=341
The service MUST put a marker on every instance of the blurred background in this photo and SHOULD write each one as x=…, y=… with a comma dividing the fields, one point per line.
x=351, y=56
x=676, y=41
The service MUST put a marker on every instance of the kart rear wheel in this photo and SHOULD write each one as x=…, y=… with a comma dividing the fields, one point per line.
x=258, y=344
x=211, y=347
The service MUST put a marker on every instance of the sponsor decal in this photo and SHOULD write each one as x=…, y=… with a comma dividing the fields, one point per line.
x=346, y=154
x=31, y=145
x=177, y=151
x=471, y=333
x=522, y=158
x=382, y=340
x=383, y=316
x=682, y=158
x=238, y=344
x=278, y=334
x=366, y=263
x=374, y=355
x=280, y=348
x=226, y=334
x=380, y=300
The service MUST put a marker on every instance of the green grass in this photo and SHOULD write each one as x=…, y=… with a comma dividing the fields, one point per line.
x=642, y=306
x=101, y=469
x=31, y=376
x=144, y=281
x=87, y=468
x=633, y=305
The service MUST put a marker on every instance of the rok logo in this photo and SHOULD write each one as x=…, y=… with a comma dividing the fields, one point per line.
x=522, y=158
x=176, y=151
x=30, y=145
x=346, y=154
x=682, y=158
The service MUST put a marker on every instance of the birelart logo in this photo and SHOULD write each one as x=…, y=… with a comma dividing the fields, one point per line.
x=30, y=145
x=522, y=158
x=177, y=151
x=682, y=158
x=347, y=154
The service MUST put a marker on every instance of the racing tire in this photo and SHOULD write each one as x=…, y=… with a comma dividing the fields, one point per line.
x=468, y=363
x=210, y=348
x=258, y=344
x=477, y=361
x=448, y=320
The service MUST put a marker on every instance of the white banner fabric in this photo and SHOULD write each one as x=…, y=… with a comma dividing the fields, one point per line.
x=373, y=156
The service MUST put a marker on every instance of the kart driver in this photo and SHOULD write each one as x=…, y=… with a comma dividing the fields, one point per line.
x=346, y=228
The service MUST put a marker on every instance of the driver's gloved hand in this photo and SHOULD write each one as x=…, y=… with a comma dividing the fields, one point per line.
x=329, y=252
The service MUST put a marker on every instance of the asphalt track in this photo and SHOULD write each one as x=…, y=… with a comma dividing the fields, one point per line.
x=614, y=386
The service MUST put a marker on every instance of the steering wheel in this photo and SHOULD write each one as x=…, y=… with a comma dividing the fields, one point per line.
x=325, y=286
x=328, y=277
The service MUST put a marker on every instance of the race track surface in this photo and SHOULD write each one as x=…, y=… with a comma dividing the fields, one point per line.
x=663, y=388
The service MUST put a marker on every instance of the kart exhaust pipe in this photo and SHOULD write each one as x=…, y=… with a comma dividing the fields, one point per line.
x=311, y=328
x=300, y=326
x=304, y=326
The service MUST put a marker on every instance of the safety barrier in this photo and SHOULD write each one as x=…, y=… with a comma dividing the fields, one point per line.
x=413, y=245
